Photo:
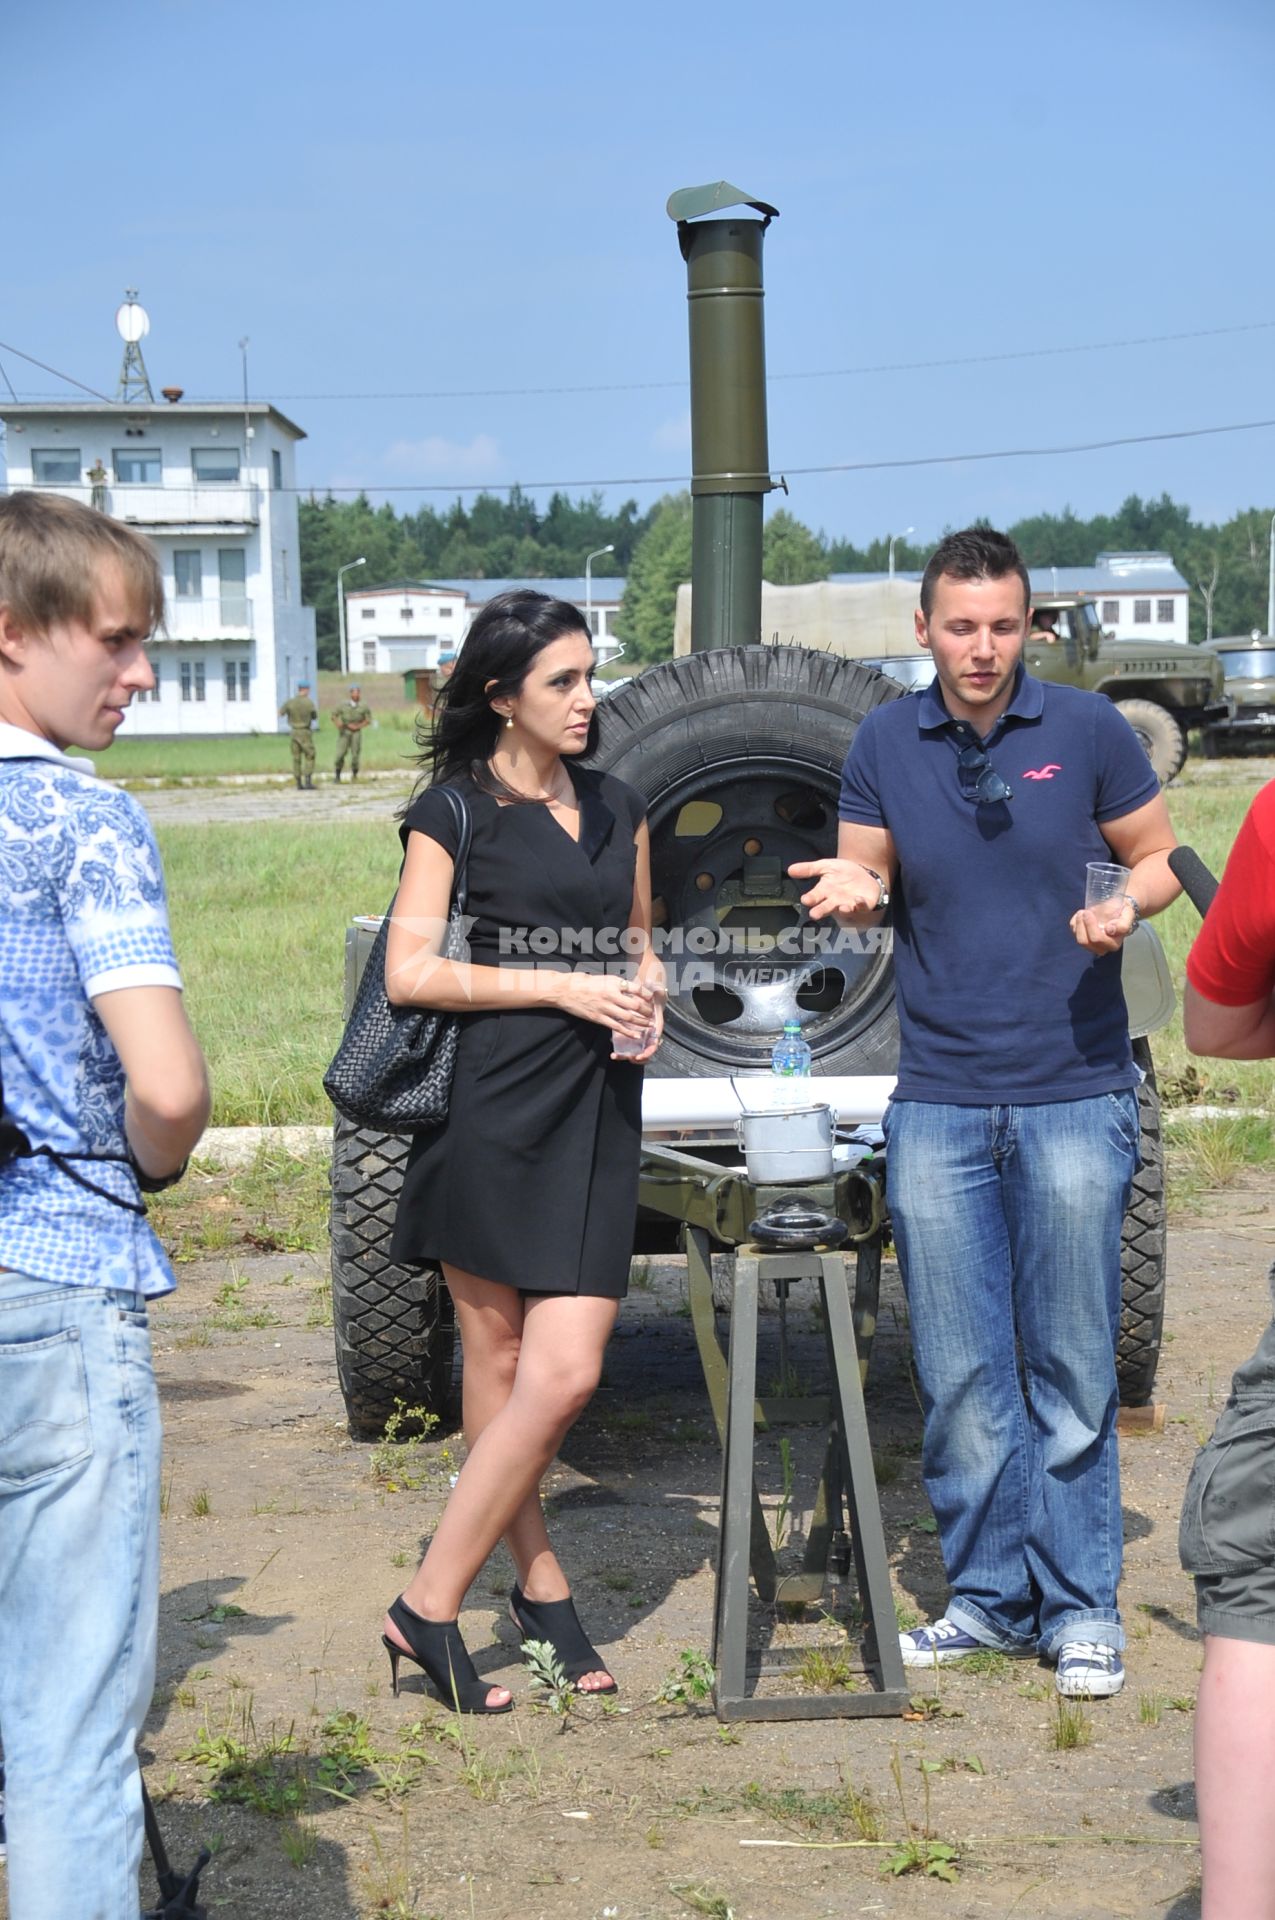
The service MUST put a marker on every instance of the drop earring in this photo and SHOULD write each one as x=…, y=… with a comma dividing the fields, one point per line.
x=509, y=720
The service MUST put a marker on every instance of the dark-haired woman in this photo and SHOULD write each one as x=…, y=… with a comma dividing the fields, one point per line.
x=527, y=1196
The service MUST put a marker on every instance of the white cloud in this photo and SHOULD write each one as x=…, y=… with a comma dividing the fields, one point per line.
x=437, y=458
x=673, y=436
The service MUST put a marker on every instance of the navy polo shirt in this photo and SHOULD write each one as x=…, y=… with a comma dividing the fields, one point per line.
x=997, y=1003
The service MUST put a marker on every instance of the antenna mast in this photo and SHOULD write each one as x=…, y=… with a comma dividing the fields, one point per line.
x=132, y=323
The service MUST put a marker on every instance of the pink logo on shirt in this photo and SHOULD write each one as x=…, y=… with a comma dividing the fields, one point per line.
x=1043, y=773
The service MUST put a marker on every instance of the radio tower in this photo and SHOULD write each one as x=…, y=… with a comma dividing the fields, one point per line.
x=132, y=323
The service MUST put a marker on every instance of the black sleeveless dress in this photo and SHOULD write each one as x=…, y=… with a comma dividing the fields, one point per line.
x=532, y=1182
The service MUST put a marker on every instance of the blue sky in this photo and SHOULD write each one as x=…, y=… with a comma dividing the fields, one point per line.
x=406, y=198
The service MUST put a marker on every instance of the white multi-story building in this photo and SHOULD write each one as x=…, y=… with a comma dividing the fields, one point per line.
x=411, y=623
x=213, y=486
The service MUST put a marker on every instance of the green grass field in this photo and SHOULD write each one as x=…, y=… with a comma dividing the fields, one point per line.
x=259, y=915
x=388, y=744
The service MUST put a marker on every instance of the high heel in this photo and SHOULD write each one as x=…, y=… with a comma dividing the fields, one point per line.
x=437, y=1648
x=558, y=1622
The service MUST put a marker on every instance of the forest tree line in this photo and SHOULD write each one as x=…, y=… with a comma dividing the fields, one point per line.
x=512, y=537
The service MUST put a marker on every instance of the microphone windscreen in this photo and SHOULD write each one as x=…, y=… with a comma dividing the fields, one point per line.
x=1198, y=883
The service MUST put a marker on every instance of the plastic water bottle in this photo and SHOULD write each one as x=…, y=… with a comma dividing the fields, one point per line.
x=790, y=1056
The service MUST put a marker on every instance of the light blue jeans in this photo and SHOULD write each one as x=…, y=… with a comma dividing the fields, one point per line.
x=79, y=1592
x=1008, y=1223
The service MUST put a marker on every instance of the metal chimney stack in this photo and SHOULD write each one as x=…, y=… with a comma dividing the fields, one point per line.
x=730, y=457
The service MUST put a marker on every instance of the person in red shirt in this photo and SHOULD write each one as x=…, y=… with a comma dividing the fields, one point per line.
x=1228, y=1515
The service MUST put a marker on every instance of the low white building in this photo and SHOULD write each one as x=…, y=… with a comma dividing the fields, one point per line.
x=1139, y=596
x=411, y=623
x=407, y=623
x=213, y=486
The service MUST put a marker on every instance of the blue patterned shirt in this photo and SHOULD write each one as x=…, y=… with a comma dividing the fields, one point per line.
x=84, y=913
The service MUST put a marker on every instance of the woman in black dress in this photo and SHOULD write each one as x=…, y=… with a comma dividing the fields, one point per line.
x=527, y=1196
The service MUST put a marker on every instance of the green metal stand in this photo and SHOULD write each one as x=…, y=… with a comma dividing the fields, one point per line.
x=848, y=1477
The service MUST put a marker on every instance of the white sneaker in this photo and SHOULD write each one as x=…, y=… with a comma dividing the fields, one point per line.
x=938, y=1644
x=1088, y=1669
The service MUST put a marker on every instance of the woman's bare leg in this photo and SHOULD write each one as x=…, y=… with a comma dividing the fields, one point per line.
x=489, y=1319
x=559, y=1360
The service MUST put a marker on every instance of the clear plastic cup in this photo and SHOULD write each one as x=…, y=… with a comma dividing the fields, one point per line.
x=1104, y=882
x=626, y=1046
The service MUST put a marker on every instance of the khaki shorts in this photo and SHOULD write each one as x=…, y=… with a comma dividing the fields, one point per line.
x=1227, y=1534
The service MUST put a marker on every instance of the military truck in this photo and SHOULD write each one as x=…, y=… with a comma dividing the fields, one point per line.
x=738, y=750
x=1248, y=662
x=1163, y=688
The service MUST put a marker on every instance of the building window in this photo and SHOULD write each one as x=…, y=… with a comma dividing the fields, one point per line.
x=445, y=613
x=407, y=613
x=55, y=466
x=276, y=468
x=138, y=466
x=188, y=573
x=369, y=613
x=215, y=463
x=1110, y=613
x=232, y=574
x=1142, y=613
x=193, y=675
x=152, y=693
x=369, y=656
x=237, y=681
x=1164, y=613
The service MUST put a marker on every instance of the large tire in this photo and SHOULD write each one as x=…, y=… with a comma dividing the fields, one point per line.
x=1162, y=738
x=739, y=755
x=394, y=1327
x=1142, y=1252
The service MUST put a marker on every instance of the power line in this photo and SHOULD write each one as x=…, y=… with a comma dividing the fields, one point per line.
x=657, y=386
x=839, y=466
x=815, y=373
x=69, y=378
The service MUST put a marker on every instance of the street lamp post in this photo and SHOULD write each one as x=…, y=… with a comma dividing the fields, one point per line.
x=1270, y=586
x=898, y=536
x=340, y=609
x=588, y=582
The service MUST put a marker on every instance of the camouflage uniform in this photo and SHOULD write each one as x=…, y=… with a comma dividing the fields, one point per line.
x=300, y=713
x=349, y=721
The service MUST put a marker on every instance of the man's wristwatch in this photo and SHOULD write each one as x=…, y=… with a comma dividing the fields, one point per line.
x=883, y=892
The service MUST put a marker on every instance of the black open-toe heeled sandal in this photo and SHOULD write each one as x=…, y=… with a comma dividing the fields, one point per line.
x=437, y=1648
x=558, y=1622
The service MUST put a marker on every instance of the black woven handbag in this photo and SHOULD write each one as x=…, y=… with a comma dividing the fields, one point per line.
x=393, y=1068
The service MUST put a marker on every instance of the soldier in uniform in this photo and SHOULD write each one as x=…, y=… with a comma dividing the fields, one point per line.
x=349, y=721
x=301, y=713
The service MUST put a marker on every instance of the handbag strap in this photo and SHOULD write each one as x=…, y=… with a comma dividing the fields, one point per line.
x=464, y=834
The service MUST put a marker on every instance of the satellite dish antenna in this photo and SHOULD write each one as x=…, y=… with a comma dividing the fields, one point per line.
x=132, y=323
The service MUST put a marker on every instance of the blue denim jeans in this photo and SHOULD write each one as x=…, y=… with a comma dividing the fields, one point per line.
x=1008, y=1223
x=79, y=1592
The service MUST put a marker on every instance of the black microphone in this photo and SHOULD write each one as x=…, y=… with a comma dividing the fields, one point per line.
x=1198, y=883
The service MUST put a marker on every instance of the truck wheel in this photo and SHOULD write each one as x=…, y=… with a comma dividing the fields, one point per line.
x=738, y=752
x=394, y=1327
x=1142, y=1252
x=1162, y=738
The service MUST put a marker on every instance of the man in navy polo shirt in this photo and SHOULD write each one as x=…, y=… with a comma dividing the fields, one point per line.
x=1012, y=1136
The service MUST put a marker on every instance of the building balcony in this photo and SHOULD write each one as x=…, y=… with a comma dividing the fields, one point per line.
x=168, y=509
x=213, y=617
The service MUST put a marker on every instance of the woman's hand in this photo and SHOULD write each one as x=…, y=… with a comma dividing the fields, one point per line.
x=609, y=1000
